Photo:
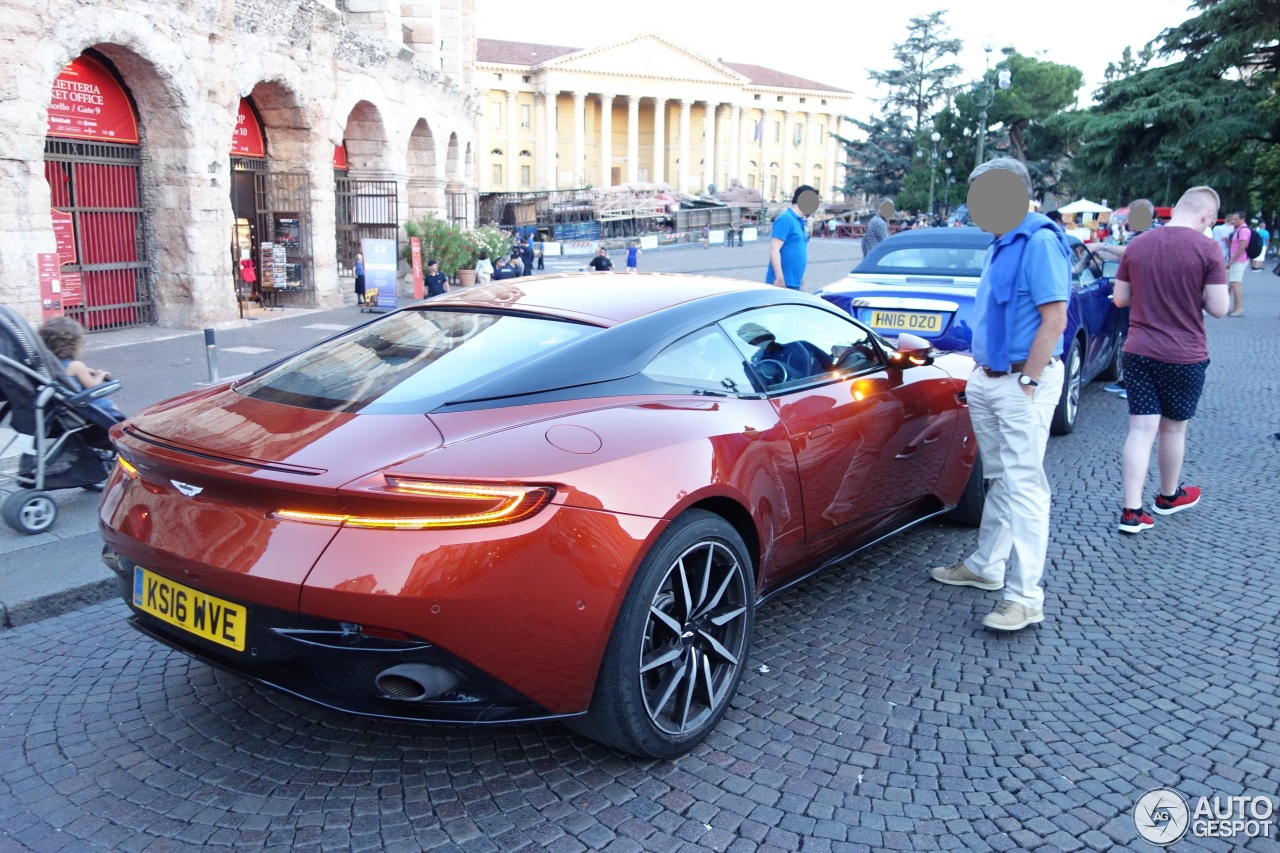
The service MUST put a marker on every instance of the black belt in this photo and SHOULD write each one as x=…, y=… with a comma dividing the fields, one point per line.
x=1016, y=367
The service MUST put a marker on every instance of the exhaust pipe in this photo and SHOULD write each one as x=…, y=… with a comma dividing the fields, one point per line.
x=415, y=682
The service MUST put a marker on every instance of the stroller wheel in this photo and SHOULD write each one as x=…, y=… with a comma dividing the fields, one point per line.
x=30, y=511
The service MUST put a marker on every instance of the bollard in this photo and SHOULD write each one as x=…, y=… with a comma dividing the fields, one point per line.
x=211, y=355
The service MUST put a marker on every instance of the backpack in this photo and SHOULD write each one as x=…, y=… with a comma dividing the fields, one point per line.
x=1254, y=249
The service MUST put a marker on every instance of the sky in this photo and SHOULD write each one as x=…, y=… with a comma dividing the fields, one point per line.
x=835, y=42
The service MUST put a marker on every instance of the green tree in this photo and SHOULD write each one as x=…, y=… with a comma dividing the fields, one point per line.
x=879, y=162
x=1129, y=64
x=1038, y=91
x=923, y=75
x=1197, y=120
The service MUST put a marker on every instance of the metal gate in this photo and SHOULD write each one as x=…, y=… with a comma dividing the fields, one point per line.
x=95, y=185
x=282, y=202
x=363, y=208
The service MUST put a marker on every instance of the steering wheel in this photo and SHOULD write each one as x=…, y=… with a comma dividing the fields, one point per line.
x=772, y=371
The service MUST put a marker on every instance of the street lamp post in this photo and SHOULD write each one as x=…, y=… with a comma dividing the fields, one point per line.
x=988, y=91
x=947, y=193
x=933, y=169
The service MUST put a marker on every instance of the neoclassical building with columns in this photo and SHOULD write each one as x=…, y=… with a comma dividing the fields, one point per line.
x=648, y=110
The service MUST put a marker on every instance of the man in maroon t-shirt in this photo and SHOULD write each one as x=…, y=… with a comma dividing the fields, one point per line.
x=1170, y=275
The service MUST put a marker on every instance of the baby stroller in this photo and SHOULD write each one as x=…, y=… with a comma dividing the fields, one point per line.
x=60, y=437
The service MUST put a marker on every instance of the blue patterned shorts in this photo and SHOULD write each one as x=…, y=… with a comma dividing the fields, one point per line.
x=1160, y=388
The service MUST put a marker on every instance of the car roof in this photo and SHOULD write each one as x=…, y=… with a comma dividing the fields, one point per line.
x=968, y=237
x=599, y=299
x=647, y=314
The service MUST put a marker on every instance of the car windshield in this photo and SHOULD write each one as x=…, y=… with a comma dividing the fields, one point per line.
x=934, y=260
x=409, y=362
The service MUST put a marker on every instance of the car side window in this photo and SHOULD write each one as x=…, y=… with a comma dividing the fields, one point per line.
x=789, y=346
x=703, y=360
x=1085, y=266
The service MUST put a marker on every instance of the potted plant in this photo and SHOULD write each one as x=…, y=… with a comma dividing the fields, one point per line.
x=443, y=242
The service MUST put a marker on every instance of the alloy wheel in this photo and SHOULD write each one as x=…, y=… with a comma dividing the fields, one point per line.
x=1075, y=373
x=695, y=638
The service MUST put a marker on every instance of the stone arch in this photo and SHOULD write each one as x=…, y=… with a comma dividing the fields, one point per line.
x=425, y=186
x=284, y=119
x=182, y=282
x=453, y=166
x=365, y=136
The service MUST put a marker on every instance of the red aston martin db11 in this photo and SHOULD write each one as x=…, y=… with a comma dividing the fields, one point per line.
x=562, y=498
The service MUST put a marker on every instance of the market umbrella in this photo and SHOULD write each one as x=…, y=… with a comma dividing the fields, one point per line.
x=1084, y=206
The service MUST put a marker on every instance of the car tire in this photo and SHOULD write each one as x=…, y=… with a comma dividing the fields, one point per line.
x=968, y=510
x=1064, y=416
x=1114, y=371
x=680, y=643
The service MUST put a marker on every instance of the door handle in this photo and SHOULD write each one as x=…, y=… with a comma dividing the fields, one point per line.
x=818, y=432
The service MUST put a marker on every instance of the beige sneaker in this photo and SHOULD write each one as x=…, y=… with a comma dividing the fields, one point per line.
x=958, y=574
x=1012, y=616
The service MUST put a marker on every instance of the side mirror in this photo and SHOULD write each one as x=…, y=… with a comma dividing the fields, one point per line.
x=912, y=350
x=1109, y=269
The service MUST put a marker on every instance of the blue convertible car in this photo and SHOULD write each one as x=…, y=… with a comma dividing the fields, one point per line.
x=924, y=282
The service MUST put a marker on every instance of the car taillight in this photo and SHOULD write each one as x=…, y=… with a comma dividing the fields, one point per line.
x=434, y=504
x=125, y=468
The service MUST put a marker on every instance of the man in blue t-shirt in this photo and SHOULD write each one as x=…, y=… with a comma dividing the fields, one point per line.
x=789, y=241
x=1020, y=315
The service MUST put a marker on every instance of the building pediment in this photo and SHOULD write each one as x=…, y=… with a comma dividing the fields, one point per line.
x=646, y=56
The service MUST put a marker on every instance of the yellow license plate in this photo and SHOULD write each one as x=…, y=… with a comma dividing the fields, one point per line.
x=906, y=321
x=193, y=611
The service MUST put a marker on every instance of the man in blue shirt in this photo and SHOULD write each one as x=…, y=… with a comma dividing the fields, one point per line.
x=1020, y=315
x=789, y=243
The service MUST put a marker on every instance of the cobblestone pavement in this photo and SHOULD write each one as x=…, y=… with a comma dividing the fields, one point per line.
x=876, y=712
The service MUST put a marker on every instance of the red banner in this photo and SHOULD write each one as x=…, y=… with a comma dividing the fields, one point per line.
x=65, y=234
x=340, y=156
x=415, y=252
x=247, y=139
x=88, y=103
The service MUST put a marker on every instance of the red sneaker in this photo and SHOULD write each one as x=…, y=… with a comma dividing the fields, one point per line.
x=1185, y=498
x=1135, y=521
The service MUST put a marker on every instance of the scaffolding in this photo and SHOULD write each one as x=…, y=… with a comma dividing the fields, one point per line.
x=541, y=210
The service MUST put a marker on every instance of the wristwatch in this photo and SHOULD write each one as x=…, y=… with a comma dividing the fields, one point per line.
x=1024, y=379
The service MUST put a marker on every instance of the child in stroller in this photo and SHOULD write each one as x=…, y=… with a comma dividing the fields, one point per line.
x=61, y=433
x=65, y=339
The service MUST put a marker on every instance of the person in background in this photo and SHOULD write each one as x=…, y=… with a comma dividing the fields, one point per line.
x=527, y=256
x=516, y=263
x=65, y=339
x=1237, y=260
x=541, y=247
x=1265, y=236
x=503, y=270
x=437, y=282
x=359, y=279
x=1222, y=233
x=789, y=240
x=601, y=262
x=633, y=256
x=484, y=268
x=877, y=232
